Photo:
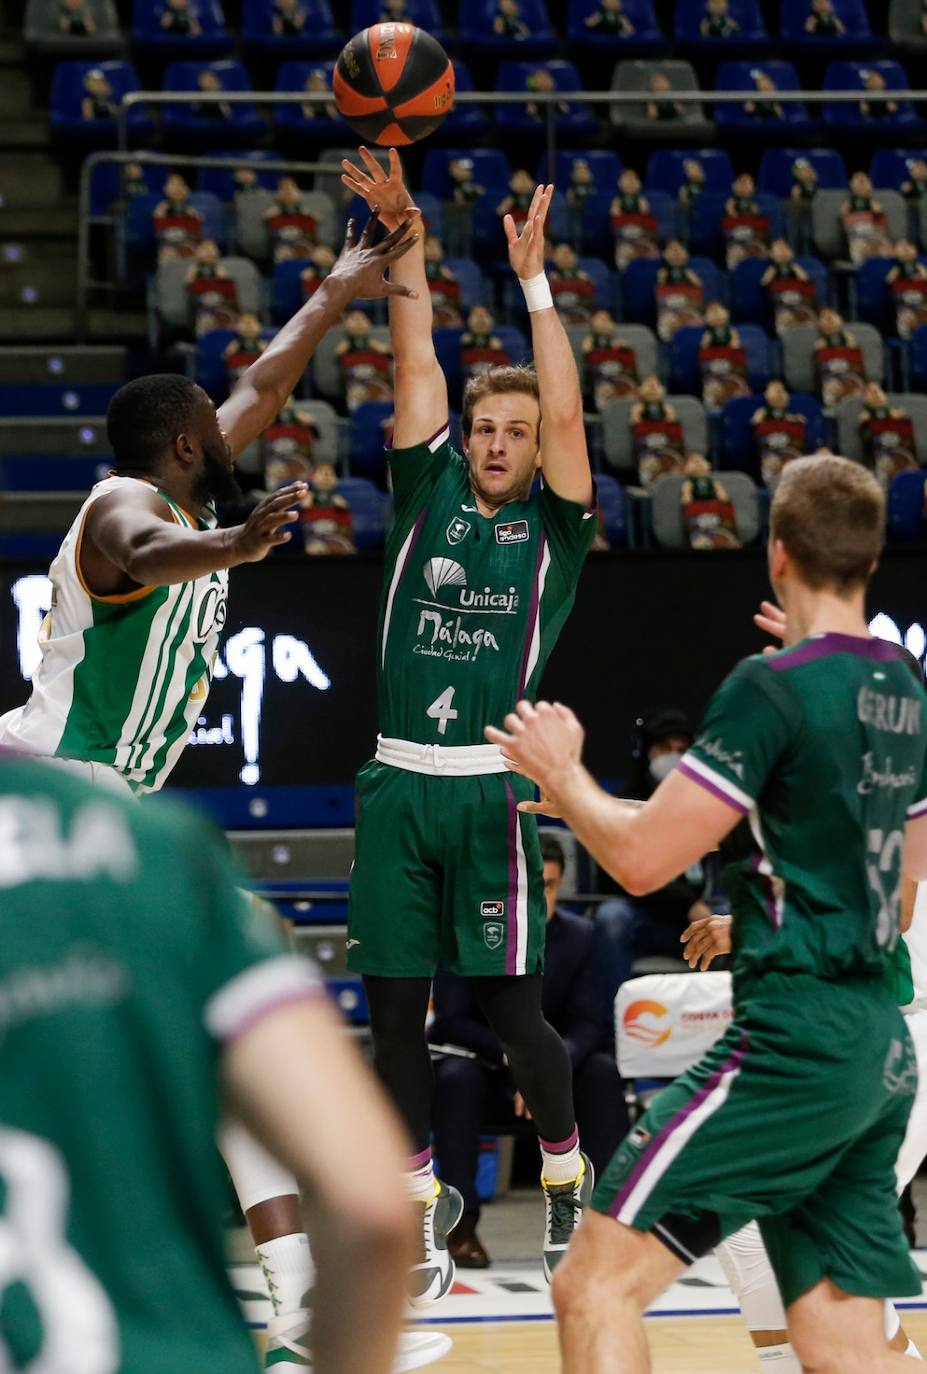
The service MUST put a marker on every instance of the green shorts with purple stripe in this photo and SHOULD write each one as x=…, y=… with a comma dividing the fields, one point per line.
x=795, y=1118
x=447, y=873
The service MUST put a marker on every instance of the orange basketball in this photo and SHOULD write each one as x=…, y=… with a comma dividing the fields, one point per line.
x=394, y=84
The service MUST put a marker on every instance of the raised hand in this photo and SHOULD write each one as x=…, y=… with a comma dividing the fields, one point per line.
x=254, y=539
x=526, y=249
x=362, y=266
x=387, y=190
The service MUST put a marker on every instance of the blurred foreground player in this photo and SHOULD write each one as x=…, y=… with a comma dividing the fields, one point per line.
x=481, y=573
x=135, y=992
x=139, y=603
x=796, y=1116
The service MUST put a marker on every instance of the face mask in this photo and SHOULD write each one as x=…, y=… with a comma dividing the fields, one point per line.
x=663, y=765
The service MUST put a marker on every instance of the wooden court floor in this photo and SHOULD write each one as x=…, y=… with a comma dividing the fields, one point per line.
x=680, y=1345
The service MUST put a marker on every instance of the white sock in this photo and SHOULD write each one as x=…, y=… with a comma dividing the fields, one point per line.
x=912, y=1351
x=286, y=1264
x=778, y=1359
x=420, y=1179
x=562, y=1163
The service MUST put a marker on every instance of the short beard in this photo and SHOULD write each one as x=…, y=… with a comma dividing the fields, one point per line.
x=216, y=483
x=515, y=492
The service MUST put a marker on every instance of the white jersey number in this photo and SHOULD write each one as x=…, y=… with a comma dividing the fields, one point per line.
x=79, y=1330
x=882, y=870
x=442, y=709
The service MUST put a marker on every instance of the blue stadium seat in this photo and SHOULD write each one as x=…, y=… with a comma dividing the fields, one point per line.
x=319, y=35
x=577, y=122
x=874, y=300
x=647, y=37
x=775, y=175
x=640, y=278
x=447, y=348
x=53, y=472
x=220, y=181
x=707, y=213
x=739, y=76
x=473, y=289
x=889, y=166
x=685, y=375
x=292, y=76
x=665, y=169
x=906, y=523
x=105, y=182
x=51, y=399
x=367, y=456
x=475, y=29
x=243, y=124
x=139, y=226
x=487, y=226
x=604, y=163
x=738, y=452
x=30, y=546
x=464, y=120
x=368, y=508
x=211, y=371
x=917, y=355
x=613, y=507
x=749, y=301
x=286, y=295
x=490, y=169
x=67, y=93
x=750, y=36
x=348, y=993
x=850, y=76
x=424, y=13
x=851, y=13
x=212, y=41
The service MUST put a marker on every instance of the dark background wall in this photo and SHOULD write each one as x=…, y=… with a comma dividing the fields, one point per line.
x=648, y=630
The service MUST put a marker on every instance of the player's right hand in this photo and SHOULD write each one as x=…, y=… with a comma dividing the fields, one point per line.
x=387, y=190
x=254, y=539
x=706, y=939
x=543, y=807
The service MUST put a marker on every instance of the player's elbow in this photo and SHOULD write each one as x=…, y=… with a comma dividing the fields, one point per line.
x=634, y=868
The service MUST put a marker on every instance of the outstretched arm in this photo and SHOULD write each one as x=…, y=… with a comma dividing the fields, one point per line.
x=263, y=390
x=564, y=457
x=419, y=388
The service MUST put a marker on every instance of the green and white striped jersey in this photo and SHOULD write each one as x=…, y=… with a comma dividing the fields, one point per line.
x=122, y=679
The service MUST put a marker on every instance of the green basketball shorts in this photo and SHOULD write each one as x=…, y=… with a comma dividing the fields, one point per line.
x=795, y=1117
x=446, y=873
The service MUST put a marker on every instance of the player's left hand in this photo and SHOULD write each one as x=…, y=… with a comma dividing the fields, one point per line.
x=706, y=939
x=526, y=249
x=539, y=741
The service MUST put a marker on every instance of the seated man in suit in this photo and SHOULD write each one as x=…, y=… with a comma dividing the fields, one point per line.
x=472, y=1083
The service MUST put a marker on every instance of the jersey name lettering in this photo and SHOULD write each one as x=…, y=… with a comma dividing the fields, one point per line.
x=36, y=843
x=897, y=715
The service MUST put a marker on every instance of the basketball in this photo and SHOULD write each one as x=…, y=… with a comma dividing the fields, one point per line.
x=394, y=84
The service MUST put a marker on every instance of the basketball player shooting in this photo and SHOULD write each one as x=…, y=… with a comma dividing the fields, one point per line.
x=811, y=771
x=481, y=574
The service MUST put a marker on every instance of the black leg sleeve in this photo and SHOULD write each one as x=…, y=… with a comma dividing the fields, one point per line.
x=398, y=1007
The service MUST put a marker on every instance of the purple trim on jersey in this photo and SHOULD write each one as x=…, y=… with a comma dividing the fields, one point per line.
x=656, y=1145
x=511, y=910
x=418, y=1161
x=561, y=1147
x=822, y=646
x=918, y=809
x=728, y=800
x=772, y=910
x=388, y=446
x=533, y=614
x=285, y=999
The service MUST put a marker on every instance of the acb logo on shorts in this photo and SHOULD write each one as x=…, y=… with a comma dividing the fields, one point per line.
x=492, y=908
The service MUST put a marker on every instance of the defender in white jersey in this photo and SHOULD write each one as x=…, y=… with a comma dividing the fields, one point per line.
x=139, y=601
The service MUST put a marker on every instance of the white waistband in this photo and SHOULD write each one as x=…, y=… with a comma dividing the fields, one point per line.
x=464, y=761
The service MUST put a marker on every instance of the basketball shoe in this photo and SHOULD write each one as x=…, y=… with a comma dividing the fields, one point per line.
x=564, y=1204
x=433, y=1271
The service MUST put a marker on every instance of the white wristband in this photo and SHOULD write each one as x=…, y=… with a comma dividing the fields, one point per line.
x=537, y=292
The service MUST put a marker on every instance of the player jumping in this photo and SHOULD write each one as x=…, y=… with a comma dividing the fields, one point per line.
x=811, y=768
x=481, y=572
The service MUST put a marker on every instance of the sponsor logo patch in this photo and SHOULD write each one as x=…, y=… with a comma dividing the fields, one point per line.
x=493, y=933
x=492, y=908
x=513, y=532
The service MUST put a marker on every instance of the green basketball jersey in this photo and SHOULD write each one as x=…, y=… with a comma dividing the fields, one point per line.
x=822, y=747
x=127, y=959
x=472, y=605
x=122, y=679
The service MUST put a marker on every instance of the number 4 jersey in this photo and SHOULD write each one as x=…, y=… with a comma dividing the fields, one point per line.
x=472, y=605
x=822, y=748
